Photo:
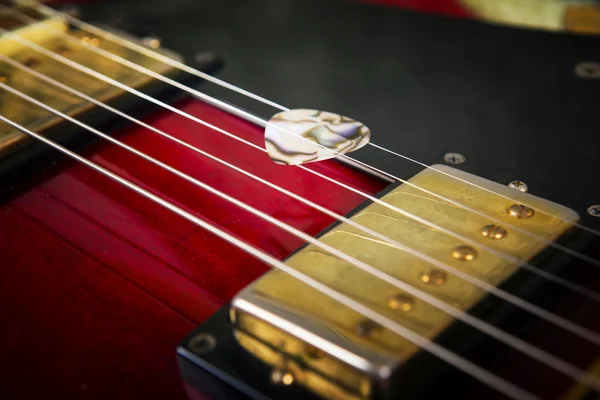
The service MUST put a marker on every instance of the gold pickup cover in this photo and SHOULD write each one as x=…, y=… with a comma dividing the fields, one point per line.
x=49, y=34
x=314, y=341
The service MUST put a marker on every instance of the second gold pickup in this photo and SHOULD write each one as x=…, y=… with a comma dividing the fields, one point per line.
x=311, y=340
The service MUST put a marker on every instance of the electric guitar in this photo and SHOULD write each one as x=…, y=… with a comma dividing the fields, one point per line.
x=295, y=199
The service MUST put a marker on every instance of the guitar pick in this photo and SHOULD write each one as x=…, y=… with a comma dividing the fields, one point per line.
x=301, y=136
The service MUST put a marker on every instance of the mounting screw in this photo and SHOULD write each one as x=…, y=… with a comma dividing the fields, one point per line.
x=493, y=232
x=464, y=253
x=401, y=302
x=90, y=40
x=202, y=343
x=454, y=158
x=594, y=210
x=520, y=211
x=152, y=42
x=588, y=70
x=282, y=377
x=519, y=185
x=434, y=277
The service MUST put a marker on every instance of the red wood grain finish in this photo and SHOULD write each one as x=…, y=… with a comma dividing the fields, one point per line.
x=99, y=284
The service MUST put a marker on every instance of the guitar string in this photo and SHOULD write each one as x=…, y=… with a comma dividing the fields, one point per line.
x=524, y=347
x=260, y=121
x=507, y=257
x=515, y=300
x=479, y=373
x=45, y=10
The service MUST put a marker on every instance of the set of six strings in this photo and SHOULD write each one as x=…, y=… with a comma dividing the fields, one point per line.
x=474, y=370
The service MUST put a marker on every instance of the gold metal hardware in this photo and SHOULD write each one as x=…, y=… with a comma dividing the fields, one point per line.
x=493, y=232
x=282, y=321
x=152, y=42
x=281, y=377
x=520, y=211
x=519, y=185
x=464, y=253
x=434, y=277
x=47, y=33
x=401, y=302
x=94, y=41
x=318, y=382
x=577, y=17
x=583, y=18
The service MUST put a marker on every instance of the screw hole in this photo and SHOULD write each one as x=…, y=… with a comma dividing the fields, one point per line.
x=588, y=70
x=202, y=343
x=454, y=158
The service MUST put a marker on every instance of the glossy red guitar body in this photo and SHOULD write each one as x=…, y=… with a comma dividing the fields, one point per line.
x=99, y=284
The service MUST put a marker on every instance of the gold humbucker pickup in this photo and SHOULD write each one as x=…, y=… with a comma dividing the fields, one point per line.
x=333, y=351
x=62, y=39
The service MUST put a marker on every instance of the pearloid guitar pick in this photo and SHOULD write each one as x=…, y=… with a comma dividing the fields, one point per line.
x=293, y=137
